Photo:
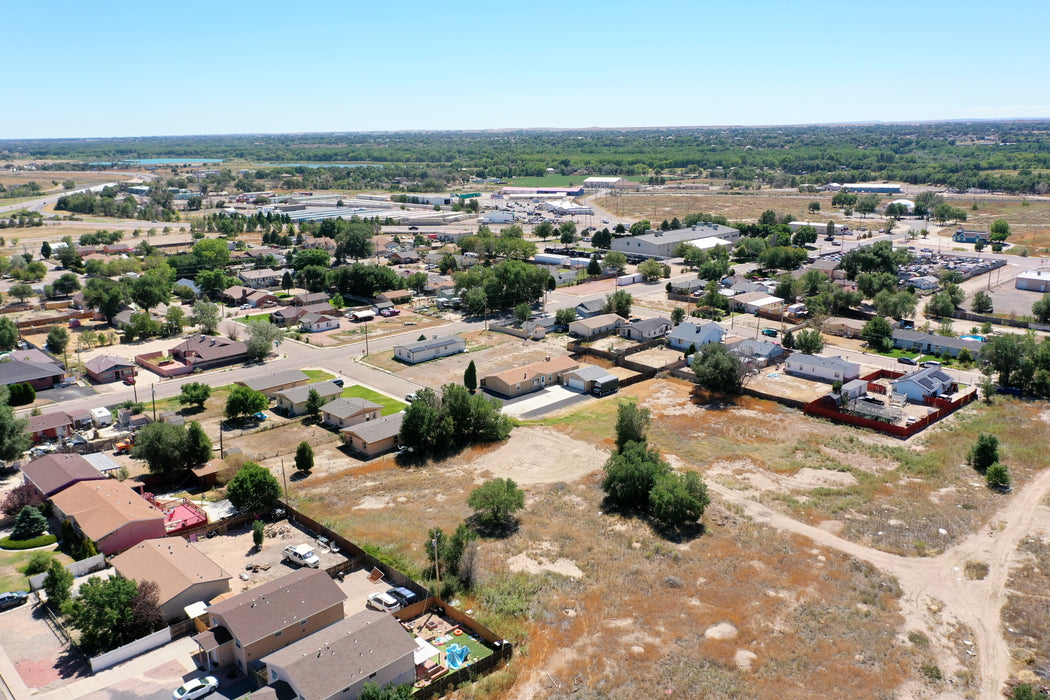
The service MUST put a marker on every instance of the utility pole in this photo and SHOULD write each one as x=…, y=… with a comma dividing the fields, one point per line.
x=366, y=338
x=437, y=565
x=222, y=452
x=153, y=391
x=285, y=477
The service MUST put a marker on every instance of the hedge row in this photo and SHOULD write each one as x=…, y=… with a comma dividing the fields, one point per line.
x=42, y=541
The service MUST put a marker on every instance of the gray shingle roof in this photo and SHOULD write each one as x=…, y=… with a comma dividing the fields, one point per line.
x=269, y=381
x=345, y=407
x=302, y=393
x=381, y=429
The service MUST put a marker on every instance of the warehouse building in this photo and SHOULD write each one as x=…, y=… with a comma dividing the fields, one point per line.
x=662, y=244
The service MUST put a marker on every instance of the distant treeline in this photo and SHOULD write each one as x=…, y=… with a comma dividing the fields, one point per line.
x=955, y=154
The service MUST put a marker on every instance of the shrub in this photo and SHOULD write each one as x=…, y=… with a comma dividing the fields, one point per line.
x=997, y=476
x=42, y=541
x=38, y=563
x=29, y=524
x=258, y=532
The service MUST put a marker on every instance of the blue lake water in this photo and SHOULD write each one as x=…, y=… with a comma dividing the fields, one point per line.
x=169, y=161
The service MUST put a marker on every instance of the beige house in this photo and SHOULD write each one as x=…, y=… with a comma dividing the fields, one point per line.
x=374, y=437
x=524, y=380
x=596, y=325
x=343, y=412
x=293, y=401
x=270, y=384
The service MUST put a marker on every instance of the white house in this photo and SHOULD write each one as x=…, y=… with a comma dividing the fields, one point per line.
x=687, y=335
x=423, y=350
x=316, y=322
x=829, y=369
x=930, y=381
x=344, y=412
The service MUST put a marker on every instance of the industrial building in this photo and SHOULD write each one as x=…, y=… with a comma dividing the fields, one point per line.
x=865, y=187
x=610, y=183
x=1033, y=280
x=543, y=191
x=662, y=244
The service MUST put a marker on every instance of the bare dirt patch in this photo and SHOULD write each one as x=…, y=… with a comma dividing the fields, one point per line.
x=538, y=456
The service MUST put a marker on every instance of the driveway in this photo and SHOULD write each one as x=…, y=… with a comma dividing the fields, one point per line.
x=66, y=393
x=542, y=402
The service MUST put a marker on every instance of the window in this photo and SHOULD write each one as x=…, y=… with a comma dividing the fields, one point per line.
x=277, y=634
x=303, y=621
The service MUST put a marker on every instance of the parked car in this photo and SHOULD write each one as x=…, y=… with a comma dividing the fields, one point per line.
x=196, y=688
x=13, y=599
x=411, y=397
x=245, y=306
x=302, y=554
x=931, y=363
x=382, y=602
x=906, y=361
x=771, y=332
x=337, y=382
x=129, y=380
x=403, y=596
x=390, y=312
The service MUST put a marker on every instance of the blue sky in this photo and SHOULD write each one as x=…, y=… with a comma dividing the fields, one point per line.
x=153, y=68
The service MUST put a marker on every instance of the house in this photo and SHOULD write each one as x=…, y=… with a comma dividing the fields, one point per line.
x=109, y=368
x=686, y=335
x=309, y=298
x=964, y=236
x=533, y=377
x=344, y=412
x=253, y=624
x=925, y=283
x=50, y=426
x=647, y=328
x=293, y=401
x=586, y=309
x=753, y=302
x=236, y=294
x=404, y=257
x=336, y=662
x=830, y=369
x=288, y=315
x=374, y=437
x=314, y=322
x=596, y=325
x=829, y=267
x=43, y=375
x=109, y=513
x=929, y=381
x=917, y=341
x=261, y=299
x=264, y=278
x=57, y=471
x=191, y=285
x=756, y=353
x=395, y=296
x=591, y=379
x=270, y=384
x=183, y=573
x=206, y=351
x=844, y=327
x=423, y=350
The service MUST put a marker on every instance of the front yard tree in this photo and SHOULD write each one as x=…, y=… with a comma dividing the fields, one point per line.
x=677, y=315
x=497, y=499
x=564, y=317
x=314, y=402
x=619, y=303
x=261, y=337
x=105, y=296
x=631, y=422
x=243, y=402
x=194, y=394
x=58, y=584
x=878, y=333
x=304, y=457
x=29, y=524
x=57, y=339
x=809, y=341
x=717, y=369
x=522, y=312
x=678, y=499
x=470, y=377
x=253, y=489
x=25, y=494
x=650, y=270
x=205, y=316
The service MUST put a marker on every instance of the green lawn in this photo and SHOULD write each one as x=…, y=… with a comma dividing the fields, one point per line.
x=897, y=352
x=255, y=317
x=318, y=375
x=359, y=392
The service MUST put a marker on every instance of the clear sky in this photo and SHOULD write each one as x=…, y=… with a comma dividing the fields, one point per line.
x=79, y=69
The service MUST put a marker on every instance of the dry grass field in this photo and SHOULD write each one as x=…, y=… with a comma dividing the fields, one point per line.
x=740, y=206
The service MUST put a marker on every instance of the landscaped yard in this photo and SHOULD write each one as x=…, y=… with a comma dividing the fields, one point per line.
x=318, y=375
x=359, y=392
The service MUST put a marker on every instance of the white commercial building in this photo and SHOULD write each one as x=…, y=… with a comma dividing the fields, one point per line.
x=662, y=244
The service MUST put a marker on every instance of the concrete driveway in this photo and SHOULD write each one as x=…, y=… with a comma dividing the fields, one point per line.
x=542, y=402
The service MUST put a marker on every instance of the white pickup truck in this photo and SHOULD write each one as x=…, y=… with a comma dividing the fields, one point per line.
x=302, y=554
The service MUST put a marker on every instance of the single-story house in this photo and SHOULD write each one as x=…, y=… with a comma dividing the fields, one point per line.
x=309, y=298
x=828, y=369
x=925, y=283
x=591, y=377
x=586, y=309
x=261, y=299
x=596, y=325
x=293, y=401
x=344, y=412
x=287, y=315
x=533, y=377
x=189, y=284
x=844, y=327
x=264, y=278
x=183, y=573
x=109, y=368
x=964, y=236
x=109, y=513
x=757, y=353
x=374, y=437
x=917, y=341
x=647, y=328
x=270, y=384
x=696, y=335
x=929, y=381
x=42, y=375
x=316, y=322
x=50, y=426
x=336, y=662
x=395, y=296
x=236, y=294
x=423, y=350
x=404, y=257
x=248, y=626
x=57, y=471
x=828, y=266
x=206, y=351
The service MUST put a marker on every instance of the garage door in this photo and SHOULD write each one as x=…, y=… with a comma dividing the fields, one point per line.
x=577, y=384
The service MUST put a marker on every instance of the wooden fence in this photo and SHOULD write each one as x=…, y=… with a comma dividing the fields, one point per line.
x=825, y=407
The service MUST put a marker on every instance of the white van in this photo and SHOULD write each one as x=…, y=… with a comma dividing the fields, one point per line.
x=931, y=363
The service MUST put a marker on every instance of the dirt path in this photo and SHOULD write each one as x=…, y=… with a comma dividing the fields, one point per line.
x=939, y=583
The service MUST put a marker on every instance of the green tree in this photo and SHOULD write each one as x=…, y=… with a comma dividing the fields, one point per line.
x=602, y=239
x=21, y=291
x=174, y=320
x=650, y=270
x=984, y=453
x=8, y=334
x=213, y=283
x=304, y=457
x=45, y=250
x=29, y=524
x=243, y=402
x=543, y=230
x=677, y=315
x=813, y=206
x=619, y=303
x=22, y=394
x=867, y=204
x=196, y=446
x=261, y=337
x=982, y=302
x=470, y=377
x=567, y=229
x=498, y=499
x=1000, y=230
x=211, y=253
x=314, y=402
x=939, y=305
x=1040, y=309
x=58, y=584
x=151, y=289
x=717, y=369
x=161, y=445
x=631, y=422
x=66, y=284
x=112, y=612
x=194, y=394
x=105, y=296
x=997, y=476
x=594, y=267
x=286, y=281
x=767, y=218
x=615, y=260
x=809, y=341
x=564, y=317
x=205, y=316
x=522, y=312
x=390, y=691
x=895, y=305
x=253, y=489
x=57, y=339
x=805, y=235
x=258, y=533
x=631, y=473
x=14, y=440
x=678, y=499
x=878, y=333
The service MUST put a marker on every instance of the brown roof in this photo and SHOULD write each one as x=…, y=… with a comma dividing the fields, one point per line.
x=212, y=466
x=171, y=562
x=343, y=653
x=55, y=471
x=211, y=347
x=555, y=365
x=103, y=507
x=269, y=608
x=45, y=421
x=101, y=363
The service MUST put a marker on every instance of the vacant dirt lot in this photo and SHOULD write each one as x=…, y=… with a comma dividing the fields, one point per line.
x=741, y=206
x=779, y=383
